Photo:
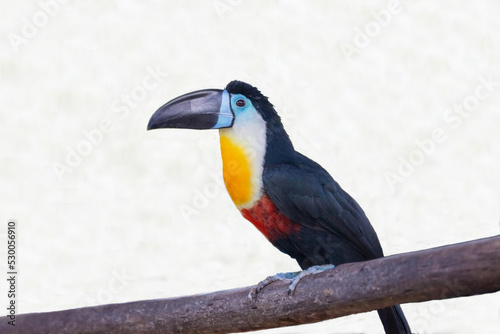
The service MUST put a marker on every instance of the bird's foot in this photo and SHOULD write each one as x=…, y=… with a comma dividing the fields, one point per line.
x=309, y=271
x=294, y=277
x=252, y=295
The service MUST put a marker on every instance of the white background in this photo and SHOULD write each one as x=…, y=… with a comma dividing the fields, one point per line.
x=108, y=212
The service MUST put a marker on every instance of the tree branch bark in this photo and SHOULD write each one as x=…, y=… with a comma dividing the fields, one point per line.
x=464, y=269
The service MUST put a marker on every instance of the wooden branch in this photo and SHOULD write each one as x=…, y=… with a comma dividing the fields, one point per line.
x=464, y=269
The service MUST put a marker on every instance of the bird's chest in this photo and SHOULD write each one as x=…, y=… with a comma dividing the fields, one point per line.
x=269, y=220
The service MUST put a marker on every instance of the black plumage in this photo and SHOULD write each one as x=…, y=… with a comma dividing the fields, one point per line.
x=333, y=227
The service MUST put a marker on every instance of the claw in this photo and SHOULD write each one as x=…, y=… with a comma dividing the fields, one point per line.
x=252, y=295
x=309, y=271
x=294, y=277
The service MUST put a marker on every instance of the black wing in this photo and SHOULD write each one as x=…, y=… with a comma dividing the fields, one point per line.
x=308, y=195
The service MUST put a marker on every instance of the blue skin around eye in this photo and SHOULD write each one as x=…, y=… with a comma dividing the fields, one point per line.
x=225, y=118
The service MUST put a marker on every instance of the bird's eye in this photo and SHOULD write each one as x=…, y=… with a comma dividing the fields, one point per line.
x=240, y=103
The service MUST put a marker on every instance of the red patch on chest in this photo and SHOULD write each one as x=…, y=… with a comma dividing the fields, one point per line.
x=269, y=220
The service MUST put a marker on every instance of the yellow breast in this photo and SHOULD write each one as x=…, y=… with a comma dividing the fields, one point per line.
x=236, y=169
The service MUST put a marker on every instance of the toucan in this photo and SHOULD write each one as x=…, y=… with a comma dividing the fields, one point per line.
x=289, y=198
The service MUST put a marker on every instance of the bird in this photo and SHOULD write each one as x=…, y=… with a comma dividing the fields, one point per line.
x=292, y=200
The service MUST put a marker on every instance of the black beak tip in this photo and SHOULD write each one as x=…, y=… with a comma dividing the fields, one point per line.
x=151, y=125
x=158, y=120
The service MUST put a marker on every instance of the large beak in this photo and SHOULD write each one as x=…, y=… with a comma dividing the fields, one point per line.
x=203, y=109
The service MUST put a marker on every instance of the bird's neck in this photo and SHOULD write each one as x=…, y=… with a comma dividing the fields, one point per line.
x=243, y=149
x=279, y=148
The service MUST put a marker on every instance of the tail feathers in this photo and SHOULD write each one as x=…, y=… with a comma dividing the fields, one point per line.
x=394, y=320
